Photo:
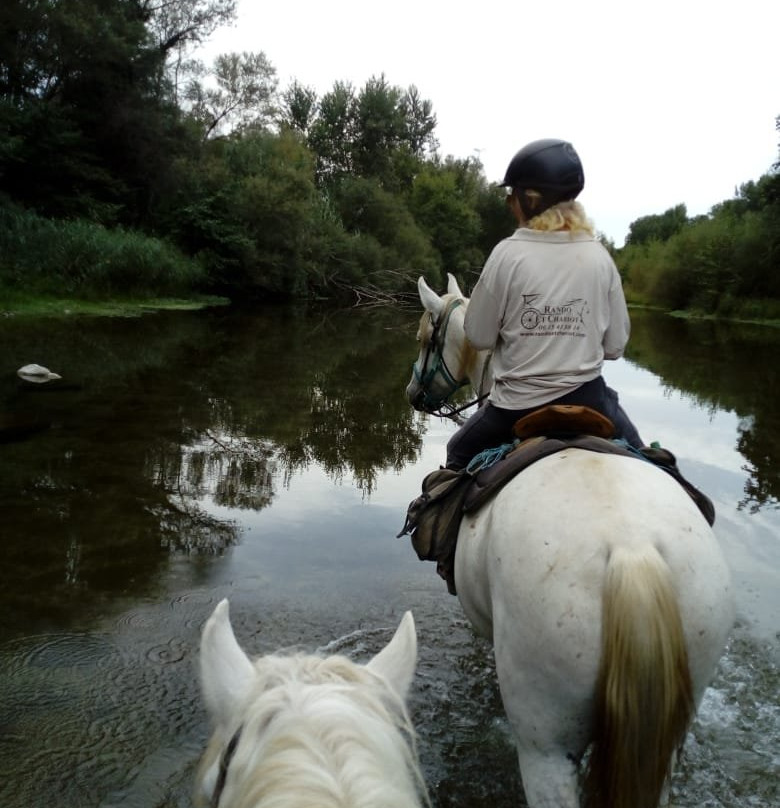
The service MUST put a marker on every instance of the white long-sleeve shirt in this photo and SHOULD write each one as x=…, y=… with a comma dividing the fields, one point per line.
x=551, y=306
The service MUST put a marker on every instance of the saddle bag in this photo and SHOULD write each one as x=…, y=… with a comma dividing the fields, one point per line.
x=433, y=518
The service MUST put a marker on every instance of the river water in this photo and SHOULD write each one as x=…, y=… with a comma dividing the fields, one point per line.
x=268, y=457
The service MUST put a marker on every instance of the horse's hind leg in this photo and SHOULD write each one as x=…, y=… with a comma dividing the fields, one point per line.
x=549, y=780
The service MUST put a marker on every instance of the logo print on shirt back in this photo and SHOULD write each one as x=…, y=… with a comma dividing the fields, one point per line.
x=554, y=319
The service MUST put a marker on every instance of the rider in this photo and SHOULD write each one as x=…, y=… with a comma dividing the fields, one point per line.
x=549, y=303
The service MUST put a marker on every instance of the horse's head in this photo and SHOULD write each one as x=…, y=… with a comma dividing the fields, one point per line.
x=258, y=706
x=442, y=365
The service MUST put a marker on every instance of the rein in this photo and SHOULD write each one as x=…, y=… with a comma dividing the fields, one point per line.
x=434, y=355
x=224, y=762
x=446, y=410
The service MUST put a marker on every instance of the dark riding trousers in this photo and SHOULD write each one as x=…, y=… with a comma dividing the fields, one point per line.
x=492, y=426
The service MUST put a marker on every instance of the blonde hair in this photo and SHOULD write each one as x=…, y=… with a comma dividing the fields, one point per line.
x=568, y=215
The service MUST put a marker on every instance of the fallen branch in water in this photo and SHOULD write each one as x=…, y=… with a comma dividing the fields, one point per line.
x=384, y=290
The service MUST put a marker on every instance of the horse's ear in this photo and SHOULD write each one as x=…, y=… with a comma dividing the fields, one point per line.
x=430, y=300
x=225, y=670
x=395, y=663
x=452, y=286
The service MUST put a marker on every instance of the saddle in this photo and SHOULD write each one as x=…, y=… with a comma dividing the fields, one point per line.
x=433, y=518
x=564, y=419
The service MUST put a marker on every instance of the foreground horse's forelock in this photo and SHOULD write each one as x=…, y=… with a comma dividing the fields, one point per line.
x=308, y=730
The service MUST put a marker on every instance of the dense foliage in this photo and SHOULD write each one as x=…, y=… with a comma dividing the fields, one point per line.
x=725, y=263
x=117, y=150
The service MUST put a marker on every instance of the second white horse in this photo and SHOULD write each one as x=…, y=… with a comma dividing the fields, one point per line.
x=605, y=594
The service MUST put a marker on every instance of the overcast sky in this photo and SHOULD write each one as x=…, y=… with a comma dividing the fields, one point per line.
x=667, y=102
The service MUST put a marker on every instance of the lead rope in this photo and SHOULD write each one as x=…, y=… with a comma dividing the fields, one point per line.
x=489, y=457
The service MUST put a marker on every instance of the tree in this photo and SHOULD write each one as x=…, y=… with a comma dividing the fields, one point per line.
x=84, y=129
x=25, y=58
x=244, y=95
x=370, y=211
x=177, y=26
x=177, y=23
x=247, y=209
x=445, y=209
x=776, y=166
x=298, y=108
x=331, y=135
x=420, y=123
x=382, y=131
x=657, y=227
x=380, y=128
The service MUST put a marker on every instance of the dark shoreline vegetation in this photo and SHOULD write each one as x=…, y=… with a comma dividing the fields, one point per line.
x=133, y=176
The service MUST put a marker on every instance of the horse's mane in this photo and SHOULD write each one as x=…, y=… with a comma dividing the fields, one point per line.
x=321, y=731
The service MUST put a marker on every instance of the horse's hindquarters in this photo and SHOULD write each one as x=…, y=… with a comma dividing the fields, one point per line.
x=549, y=534
x=530, y=570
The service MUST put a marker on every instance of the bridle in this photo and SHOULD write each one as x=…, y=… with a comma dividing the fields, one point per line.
x=433, y=365
x=224, y=762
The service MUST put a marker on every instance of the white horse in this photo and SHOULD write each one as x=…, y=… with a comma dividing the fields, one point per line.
x=605, y=595
x=302, y=730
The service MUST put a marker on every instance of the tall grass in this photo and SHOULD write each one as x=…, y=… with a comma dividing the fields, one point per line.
x=81, y=259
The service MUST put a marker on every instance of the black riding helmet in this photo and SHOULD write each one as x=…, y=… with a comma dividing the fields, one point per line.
x=550, y=166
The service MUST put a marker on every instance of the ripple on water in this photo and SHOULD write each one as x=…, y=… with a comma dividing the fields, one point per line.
x=168, y=653
x=82, y=705
x=137, y=618
x=41, y=672
x=194, y=599
x=358, y=643
x=193, y=604
x=60, y=651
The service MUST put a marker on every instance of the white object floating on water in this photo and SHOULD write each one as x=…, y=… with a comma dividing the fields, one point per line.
x=37, y=374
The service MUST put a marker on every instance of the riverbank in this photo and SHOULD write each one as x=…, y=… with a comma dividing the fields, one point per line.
x=65, y=307
x=697, y=314
x=50, y=307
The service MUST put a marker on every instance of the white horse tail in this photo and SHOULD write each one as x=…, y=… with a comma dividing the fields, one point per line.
x=644, y=695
